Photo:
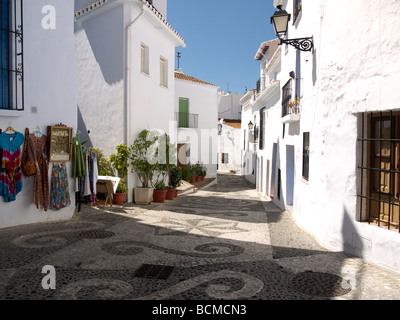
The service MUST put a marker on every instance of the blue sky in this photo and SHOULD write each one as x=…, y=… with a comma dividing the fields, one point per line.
x=222, y=37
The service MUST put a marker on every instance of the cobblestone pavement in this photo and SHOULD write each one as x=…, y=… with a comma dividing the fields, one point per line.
x=222, y=242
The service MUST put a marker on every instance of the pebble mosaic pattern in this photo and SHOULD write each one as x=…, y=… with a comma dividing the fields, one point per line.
x=222, y=242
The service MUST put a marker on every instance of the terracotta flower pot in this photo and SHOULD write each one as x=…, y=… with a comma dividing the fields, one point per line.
x=198, y=178
x=176, y=193
x=119, y=198
x=193, y=180
x=159, y=195
x=170, y=194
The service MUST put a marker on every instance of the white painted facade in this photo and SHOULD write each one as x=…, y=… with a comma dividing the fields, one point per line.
x=229, y=106
x=49, y=68
x=117, y=98
x=230, y=146
x=353, y=69
x=202, y=139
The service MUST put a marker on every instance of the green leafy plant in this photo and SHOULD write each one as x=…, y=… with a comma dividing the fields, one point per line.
x=160, y=185
x=104, y=165
x=186, y=173
x=175, y=177
x=119, y=161
x=203, y=170
x=140, y=154
x=122, y=188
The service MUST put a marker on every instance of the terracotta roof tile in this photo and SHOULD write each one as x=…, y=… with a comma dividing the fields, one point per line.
x=182, y=76
x=237, y=124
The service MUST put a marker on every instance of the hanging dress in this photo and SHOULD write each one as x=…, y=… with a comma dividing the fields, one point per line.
x=42, y=190
x=59, y=193
x=11, y=171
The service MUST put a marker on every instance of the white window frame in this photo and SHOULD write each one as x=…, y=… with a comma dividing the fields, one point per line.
x=144, y=59
x=163, y=72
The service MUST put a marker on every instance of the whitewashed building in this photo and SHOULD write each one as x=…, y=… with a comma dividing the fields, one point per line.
x=196, y=109
x=229, y=146
x=126, y=53
x=344, y=139
x=261, y=126
x=38, y=89
x=229, y=106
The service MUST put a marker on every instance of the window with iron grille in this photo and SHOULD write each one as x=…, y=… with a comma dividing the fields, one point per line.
x=379, y=169
x=296, y=9
x=262, y=128
x=306, y=155
x=286, y=97
x=225, y=158
x=11, y=55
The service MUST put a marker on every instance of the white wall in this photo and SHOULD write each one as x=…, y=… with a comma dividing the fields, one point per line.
x=354, y=68
x=50, y=86
x=229, y=106
x=230, y=142
x=100, y=51
x=203, y=100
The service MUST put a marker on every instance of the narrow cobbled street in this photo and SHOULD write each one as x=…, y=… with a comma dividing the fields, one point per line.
x=222, y=242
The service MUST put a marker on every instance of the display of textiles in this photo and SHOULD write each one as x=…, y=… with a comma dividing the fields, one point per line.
x=87, y=183
x=11, y=170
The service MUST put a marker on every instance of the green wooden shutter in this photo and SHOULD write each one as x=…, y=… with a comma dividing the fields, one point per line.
x=183, y=119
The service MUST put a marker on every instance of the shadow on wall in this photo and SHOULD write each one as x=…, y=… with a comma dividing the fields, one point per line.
x=84, y=132
x=105, y=37
x=354, y=245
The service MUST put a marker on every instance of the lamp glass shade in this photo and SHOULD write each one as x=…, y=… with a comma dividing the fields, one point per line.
x=251, y=125
x=280, y=21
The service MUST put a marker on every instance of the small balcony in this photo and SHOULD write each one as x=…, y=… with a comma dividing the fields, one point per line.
x=187, y=120
x=291, y=111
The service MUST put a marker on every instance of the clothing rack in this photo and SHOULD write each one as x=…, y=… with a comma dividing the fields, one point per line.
x=78, y=197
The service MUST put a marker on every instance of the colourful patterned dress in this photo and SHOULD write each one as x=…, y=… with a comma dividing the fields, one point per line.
x=42, y=190
x=59, y=194
x=11, y=171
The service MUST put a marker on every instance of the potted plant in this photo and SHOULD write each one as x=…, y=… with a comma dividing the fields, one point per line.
x=119, y=161
x=194, y=173
x=198, y=171
x=122, y=190
x=175, y=177
x=203, y=172
x=186, y=173
x=140, y=165
x=160, y=192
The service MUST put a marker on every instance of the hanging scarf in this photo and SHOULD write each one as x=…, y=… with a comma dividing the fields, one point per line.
x=78, y=162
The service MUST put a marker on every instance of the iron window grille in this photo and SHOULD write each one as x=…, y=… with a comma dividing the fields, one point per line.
x=286, y=98
x=11, y=55
x=296, y=9
x=262, y=129
x=306, y=155
x=379, y=169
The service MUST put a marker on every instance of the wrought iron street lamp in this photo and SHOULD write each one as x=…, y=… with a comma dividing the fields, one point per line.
x=280, y=21
x=251, y=125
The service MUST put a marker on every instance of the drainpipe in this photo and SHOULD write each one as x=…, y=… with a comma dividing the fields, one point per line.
x=127, y=94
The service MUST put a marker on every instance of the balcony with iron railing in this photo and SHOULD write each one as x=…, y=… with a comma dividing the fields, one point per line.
x=290, y=106
x=187, y=120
